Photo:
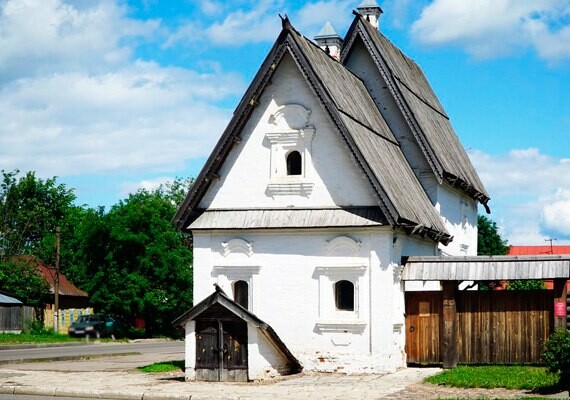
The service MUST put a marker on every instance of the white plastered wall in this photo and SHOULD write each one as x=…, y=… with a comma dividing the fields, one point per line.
x=292, y=290
x=335, y=178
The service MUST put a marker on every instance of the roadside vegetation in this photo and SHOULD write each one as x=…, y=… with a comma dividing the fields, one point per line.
x=167, y=366
x=523, y=377
x=31, y=338
x=130, y=259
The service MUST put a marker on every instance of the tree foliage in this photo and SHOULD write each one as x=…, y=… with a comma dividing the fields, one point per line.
x=137, y=263
x=30, y=208
x=131, y=260
x=489, y=240
x=556, y=355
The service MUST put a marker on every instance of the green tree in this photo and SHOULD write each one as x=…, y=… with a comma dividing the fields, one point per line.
x=30, y=209
x=22, y=280
x=489, y=240
x=137, y=263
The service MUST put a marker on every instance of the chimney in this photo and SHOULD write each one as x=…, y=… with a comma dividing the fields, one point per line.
x=371, y=11
x=329, y=40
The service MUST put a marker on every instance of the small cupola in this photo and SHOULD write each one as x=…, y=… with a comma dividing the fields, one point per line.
x=329, y=40
x=371, y=11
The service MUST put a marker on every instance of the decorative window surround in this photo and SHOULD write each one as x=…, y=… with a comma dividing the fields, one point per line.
x=330, y=319
x=291, y=188
x=355, y=327
x=235, y=272
x=290, y=132
x=227, y=274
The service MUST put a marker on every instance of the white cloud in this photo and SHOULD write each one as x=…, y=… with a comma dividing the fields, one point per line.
x=557, y=214
x=147, y=184
x=533, y=190
x=78, y=108
x=489, y=28
x=142, y=116
x=257, y=21
x=44, y=36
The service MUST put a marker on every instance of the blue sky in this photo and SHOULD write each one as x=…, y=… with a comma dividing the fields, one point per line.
x=113, y=95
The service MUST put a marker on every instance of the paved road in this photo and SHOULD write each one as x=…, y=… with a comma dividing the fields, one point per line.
x=70, y=352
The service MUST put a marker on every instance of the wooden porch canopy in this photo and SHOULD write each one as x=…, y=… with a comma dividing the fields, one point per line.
x=486, y=268
x=219, y=301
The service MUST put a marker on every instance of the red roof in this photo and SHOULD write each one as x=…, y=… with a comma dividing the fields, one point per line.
x=66, y=288
x=537, y=250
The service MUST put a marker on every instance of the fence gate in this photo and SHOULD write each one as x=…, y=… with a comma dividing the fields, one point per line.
x=492, y=326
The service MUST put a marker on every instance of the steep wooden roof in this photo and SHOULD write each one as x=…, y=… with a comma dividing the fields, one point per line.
x=359, y=124
x=421, y=108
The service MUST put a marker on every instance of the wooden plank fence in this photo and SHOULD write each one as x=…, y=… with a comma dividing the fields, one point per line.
x=491, y=327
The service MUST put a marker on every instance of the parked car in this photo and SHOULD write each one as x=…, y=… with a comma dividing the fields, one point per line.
x=94, y=326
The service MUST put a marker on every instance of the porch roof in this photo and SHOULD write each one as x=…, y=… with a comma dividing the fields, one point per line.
x=219, y=297
x=486, y=268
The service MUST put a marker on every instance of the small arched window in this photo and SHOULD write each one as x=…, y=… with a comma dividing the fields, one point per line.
x=241, y=293
x=294, y=163
x=344, y=295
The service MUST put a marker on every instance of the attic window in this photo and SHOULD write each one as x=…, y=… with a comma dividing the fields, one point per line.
x=294, y=163
x=290, y=136
x=344, y=295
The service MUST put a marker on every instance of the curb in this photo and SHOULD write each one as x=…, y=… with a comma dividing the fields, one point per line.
x=42, y=345
x=95, y=394
x=66, y=358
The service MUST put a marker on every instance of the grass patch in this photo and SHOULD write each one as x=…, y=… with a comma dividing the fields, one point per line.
x=166, y=366
x=496, y=376
x=28, y=338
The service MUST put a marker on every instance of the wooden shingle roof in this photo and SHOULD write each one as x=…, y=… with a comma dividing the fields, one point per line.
x=421, y=108
x=359, y=125
x=486, y=268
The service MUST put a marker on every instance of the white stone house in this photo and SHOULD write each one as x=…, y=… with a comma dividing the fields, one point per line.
x=331, y=170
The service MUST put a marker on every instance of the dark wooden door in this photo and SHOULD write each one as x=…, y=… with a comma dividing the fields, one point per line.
x=221, y=351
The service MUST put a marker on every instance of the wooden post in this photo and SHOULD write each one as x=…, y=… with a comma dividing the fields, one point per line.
x=560, y=294
x=56, y=282
x=449, y=336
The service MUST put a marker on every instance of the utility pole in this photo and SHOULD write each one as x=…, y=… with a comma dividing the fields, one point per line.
x=56, y=282
x=550, y=240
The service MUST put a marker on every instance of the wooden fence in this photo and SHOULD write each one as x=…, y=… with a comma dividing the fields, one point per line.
x=491, y=327
x=13, y=318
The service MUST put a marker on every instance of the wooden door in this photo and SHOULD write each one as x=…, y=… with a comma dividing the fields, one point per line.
x=234, y=365
x=423, y=324
x=221, y=351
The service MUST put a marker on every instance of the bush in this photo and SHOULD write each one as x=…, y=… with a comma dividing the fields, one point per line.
x=37, y=328
x=557, y=356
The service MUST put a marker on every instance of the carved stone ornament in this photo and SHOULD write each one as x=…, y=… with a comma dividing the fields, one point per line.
x=291, y=116
x=237, y=246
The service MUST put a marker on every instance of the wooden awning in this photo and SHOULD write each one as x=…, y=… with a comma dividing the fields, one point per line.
x=486, y=268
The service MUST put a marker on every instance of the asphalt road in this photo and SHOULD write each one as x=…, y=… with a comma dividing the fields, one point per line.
x=71, y=352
